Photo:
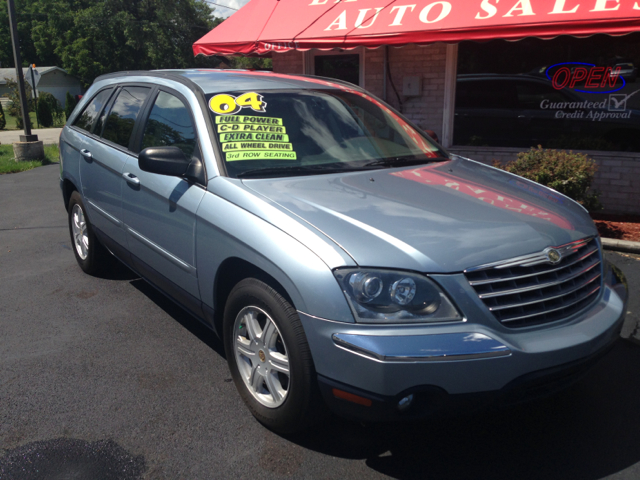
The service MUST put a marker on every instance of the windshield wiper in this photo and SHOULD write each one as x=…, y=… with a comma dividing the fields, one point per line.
x=402, y=162
x=295, y=170
x=335, y=168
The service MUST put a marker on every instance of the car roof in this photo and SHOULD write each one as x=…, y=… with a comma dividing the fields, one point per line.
x=218, y=80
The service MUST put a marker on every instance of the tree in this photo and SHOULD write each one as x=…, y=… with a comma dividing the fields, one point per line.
x=89, y=37
x=24, y=26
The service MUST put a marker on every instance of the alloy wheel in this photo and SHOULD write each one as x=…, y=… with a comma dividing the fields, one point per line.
x=261, y=355
x=80, y=233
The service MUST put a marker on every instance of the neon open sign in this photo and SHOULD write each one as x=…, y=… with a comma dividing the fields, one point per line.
x=570, y=74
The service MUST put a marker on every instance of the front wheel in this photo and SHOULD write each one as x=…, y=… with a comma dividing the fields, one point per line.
x=269, y=357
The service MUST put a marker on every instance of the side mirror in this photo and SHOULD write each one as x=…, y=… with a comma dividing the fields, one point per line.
x=164, y=160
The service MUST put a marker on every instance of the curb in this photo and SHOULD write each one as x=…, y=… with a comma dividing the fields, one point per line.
x=620, y=245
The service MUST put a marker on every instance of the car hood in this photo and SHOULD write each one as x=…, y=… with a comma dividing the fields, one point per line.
x=437, y=218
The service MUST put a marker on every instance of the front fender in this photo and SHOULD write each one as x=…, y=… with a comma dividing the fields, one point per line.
x=225, y=230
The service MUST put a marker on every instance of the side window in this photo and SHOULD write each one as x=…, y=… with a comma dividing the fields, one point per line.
x=169, y=124
x=123, y=115
x=88, y=117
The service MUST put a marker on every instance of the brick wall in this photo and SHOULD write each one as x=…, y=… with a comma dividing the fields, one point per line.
x=288, y=62
x=617, y=180
x=427, y=62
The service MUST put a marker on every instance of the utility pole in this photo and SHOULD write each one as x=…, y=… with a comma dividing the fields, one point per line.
x=27, y=137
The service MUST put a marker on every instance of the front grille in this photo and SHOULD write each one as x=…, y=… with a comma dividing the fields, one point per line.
x=530, y=290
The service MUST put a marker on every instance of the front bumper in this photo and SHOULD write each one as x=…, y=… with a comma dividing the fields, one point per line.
x=428, y=400
x=384, y=363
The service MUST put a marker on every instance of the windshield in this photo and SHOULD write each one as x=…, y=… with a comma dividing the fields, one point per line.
x=303, y=132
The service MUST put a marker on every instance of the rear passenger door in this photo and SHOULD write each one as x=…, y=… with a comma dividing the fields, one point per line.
x=108, y=149
x=159, y=210
x=99, y=169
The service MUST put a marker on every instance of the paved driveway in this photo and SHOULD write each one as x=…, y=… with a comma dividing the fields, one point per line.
x=104, y=378
x=47, y=135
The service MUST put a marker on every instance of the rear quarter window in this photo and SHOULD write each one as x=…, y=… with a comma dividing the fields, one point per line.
x=88, y=116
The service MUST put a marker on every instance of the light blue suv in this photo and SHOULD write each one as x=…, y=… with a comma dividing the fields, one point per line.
x=343, y=256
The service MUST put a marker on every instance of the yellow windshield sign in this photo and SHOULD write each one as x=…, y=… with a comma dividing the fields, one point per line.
x=250, y=128
x=266, y=137
x=230, y=146
x=260, y=155
x=246, y=119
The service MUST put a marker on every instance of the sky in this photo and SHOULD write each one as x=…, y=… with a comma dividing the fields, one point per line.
x=226, y=12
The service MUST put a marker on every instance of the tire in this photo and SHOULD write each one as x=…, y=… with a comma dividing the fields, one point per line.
x=92, y=257
x=270, y=360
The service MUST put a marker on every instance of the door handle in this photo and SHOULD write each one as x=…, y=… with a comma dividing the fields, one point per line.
x=86, y=154
x=131, y=178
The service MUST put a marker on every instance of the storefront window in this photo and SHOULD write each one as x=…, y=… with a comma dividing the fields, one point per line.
x=561, y=93
x=342, y=67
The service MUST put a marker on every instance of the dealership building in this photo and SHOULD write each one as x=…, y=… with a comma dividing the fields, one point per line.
x=490, y=78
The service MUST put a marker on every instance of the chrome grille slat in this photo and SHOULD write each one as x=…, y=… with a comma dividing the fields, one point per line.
x=531, y=290
x=554, y=309
x=539, y=286
x=545, y=299
x=525, y=260
x=504, y=279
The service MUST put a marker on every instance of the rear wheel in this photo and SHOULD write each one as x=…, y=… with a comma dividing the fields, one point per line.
x=269, y=357
x=92, y=257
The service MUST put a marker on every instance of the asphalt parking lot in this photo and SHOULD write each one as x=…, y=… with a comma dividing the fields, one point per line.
x=103, y=378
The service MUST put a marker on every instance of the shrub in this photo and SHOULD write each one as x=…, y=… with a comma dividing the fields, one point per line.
x=69, y=104
x=55, y=108
x=3, y=121
x=566, y=172
x=44, y=113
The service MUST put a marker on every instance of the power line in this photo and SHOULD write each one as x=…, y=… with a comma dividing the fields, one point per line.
x=123, y=20
x=220, y=5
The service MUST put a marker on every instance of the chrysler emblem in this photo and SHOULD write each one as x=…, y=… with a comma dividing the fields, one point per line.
x=553, y=255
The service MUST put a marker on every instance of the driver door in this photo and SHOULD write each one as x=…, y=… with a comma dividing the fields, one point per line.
x=159, y=210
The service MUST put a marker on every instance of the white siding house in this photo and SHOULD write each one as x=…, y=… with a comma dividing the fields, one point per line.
x=54, y=80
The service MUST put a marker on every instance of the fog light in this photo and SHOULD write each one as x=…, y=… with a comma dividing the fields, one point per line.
x=405, y=403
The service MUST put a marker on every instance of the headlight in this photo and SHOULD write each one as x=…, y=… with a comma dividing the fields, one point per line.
x=390, y=296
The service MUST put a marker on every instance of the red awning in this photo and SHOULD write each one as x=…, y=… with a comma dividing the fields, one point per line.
x=266, y=26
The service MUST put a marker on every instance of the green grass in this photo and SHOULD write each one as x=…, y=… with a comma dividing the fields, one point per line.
x=8, y=163
x=11, y=122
